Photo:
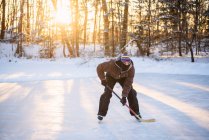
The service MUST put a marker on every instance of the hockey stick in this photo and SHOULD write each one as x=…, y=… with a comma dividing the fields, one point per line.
x=140, y=119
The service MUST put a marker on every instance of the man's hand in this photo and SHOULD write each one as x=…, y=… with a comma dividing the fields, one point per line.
x=123, y=100
x=104, y=82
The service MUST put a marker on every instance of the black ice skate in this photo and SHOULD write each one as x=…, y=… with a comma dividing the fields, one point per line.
x=99, y=117
x=139, y=116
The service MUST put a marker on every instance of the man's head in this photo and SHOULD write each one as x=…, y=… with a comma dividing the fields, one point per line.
x=124, y=62
x=125, y=59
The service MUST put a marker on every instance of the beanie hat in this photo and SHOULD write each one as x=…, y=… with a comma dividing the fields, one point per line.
x=125, y=58
x=122, y=60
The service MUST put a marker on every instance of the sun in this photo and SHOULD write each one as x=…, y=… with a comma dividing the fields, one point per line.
x=62, y=14
x=62, y=17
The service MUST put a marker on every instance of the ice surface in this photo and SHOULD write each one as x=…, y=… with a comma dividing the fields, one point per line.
x=66, y=109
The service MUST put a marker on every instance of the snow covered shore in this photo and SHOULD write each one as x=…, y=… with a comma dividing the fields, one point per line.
x=42, y=69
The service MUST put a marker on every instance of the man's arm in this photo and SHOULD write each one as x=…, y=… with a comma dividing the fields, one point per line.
x=128, y=83
x=101, y=69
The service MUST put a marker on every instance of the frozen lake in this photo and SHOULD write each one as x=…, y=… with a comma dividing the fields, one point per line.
x=66, y=109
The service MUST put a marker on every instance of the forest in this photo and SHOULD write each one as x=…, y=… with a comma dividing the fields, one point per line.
x=178, y=27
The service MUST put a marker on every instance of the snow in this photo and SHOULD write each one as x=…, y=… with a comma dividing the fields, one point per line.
x=30, y=70
x=58, y=99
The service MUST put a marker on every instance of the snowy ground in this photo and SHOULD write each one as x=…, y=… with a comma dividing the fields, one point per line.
x=42, y=69
x=58, y=100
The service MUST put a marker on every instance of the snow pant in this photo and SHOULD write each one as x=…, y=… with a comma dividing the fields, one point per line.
x=105, y=97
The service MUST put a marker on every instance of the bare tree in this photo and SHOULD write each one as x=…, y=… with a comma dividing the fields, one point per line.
x=125, y=26
x=149, y=28
x=54, y=2
x=113, y=38
x=85, y=21
x=95, y=22
x=77, y=27
x=19, y=50
x=106, y=27
x=3, y=19
x=28, y=20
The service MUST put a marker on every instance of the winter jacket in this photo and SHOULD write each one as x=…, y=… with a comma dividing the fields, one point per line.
x=114, y=70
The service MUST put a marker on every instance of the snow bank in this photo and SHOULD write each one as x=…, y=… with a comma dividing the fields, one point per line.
x=42, y=69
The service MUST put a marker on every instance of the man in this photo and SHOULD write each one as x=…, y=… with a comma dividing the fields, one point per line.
x=120, y=70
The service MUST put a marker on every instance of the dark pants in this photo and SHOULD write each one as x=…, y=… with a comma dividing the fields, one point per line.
x=105, y=97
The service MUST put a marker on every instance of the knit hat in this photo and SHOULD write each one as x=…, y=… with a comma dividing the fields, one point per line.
x=125, y=58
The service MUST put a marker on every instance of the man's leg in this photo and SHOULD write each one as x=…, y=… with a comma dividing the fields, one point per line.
x=105, y=97
x=133, y=101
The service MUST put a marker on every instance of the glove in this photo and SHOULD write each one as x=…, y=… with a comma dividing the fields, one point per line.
x=123, y=100
x=104, y=82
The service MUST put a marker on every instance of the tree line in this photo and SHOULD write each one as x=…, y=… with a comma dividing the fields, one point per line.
x=182, y=26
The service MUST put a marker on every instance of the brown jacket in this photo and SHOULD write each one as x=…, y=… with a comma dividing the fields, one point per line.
x=116, y=72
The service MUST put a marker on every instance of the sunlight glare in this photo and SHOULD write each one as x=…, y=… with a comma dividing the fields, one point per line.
x=62, y=15
x=199, y=115
x=195, y=86
x=49, y=109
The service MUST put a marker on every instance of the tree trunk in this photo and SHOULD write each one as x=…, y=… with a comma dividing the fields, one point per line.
x=119, y=22
x=190, y=47
x=72, y=36
x=95, y=25
x=19, y=51
x=77, y=29
x=99, y=26
x=125, y=27
x=3, y=27
x=196, y=21
x=28, y=21
x=70, y=48
x=85, y=22
x=113, y=38
x=63, y=51
x=180, y=28
x=54, y=2
x=106, y=27
x=149, y=31
x=189, y=43
x=141, y=50
x=192, y=54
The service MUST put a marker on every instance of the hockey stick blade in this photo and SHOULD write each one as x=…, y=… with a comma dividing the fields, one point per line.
x=147, y=120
